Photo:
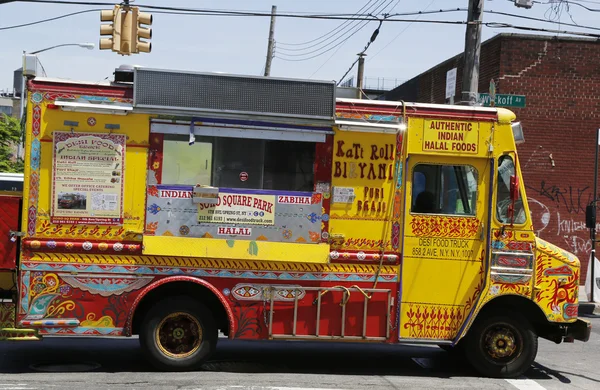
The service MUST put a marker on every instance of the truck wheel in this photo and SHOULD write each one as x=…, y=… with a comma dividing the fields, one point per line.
x=178, y=334
x=501, y=346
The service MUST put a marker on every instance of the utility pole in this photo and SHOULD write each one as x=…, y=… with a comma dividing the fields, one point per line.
x=361, y=74
x=593, y=229
x=470, y=78
x=271, y=41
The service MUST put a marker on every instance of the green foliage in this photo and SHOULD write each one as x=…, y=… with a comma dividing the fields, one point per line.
x=10, y=135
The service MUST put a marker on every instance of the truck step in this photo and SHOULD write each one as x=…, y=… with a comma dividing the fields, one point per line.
x=15, y=334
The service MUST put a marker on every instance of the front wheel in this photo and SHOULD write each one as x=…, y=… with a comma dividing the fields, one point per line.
x=501, y=346
x=178, y=334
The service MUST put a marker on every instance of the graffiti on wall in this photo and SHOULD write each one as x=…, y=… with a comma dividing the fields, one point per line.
x=558, y=214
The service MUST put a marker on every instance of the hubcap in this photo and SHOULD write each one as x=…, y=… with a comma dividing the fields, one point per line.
x=502, y=343
x=179, y=335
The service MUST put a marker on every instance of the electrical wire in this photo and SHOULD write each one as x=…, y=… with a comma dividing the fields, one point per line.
x=357, y=29
x=400, y=33
x=390, y=18
x=552, y=3
x=49, y=19
x=339, y=47
x=352, y=26
x=329, y=32
x=538, y=19
x=373, y=37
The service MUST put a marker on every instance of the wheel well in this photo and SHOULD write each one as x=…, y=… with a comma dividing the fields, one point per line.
x=193, y=290
x=513, y=303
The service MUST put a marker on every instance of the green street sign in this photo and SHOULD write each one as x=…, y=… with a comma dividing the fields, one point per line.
x=503, y=100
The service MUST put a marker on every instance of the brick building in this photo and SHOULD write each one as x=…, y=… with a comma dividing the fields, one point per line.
x=560, y=78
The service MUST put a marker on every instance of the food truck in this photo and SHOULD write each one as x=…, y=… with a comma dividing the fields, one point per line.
x=176, y=205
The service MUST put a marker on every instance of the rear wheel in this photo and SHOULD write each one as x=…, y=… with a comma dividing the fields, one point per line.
x=501, y=346
x=178, y=334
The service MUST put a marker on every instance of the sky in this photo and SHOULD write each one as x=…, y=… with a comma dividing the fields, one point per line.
x=238, y=45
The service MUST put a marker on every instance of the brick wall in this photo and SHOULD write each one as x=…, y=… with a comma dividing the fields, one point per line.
x=561, y=81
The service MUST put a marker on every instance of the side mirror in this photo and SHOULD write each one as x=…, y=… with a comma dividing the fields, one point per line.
x=590, y=216
x=514, y=188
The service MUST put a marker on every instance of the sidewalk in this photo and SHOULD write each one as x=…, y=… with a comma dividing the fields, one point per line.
x=586, y=307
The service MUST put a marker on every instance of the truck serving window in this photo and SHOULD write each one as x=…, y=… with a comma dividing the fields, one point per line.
x=239, y=163
x=444, y=189
x=506, y=169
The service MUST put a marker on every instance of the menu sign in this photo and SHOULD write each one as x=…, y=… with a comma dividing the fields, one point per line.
x=87, y=185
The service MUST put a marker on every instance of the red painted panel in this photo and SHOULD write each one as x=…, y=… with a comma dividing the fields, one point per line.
x=9, y=220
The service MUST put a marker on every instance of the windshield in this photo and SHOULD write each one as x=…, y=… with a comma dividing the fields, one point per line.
x=506, y=169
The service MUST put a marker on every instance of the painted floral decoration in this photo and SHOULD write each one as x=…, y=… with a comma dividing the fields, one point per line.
x=153, y=190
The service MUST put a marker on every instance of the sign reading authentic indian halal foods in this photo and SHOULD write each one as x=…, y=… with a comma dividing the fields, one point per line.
x=87, y=178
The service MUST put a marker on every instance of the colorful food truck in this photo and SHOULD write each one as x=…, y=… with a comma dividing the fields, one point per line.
x=267, y=209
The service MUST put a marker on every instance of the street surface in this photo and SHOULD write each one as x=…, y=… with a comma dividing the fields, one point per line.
x=118, y=364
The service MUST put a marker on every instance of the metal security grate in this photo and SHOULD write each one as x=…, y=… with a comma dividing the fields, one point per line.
x=214, y=92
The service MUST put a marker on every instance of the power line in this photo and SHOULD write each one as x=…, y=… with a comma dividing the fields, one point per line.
x=390, y=18
x=328, y=33
x=350, y=28
x=538, y=19
x=339, y=47
x=400, y=33
x=49, y=20
x=373, y=37
x=357, y=29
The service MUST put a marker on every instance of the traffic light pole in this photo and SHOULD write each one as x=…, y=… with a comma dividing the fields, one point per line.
x=470, y=79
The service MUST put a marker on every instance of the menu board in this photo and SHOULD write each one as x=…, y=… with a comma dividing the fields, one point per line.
x=87, y=178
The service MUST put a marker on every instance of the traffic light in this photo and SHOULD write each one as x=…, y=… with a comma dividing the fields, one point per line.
x=127, y=25
x=127, y=30
x=140, y=21
x=113, y=29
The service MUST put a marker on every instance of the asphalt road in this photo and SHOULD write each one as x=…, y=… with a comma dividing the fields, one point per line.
x=93, y=363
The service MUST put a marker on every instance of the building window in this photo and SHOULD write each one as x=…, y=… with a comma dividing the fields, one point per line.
x=444, y=189
x=239, y=163
x=506, y=169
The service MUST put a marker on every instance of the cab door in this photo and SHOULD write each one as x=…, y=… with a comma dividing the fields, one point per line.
x=446, y=226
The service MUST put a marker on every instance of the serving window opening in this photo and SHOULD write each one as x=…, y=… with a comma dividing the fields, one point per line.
x=239, y=163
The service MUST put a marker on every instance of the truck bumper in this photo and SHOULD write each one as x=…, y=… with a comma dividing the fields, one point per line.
x=578, y=330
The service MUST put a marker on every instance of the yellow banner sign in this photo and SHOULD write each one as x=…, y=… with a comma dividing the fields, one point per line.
x=448, y=136
x=239, y=208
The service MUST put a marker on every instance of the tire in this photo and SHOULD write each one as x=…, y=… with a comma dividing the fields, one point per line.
x=169, y=334
x=501, y=346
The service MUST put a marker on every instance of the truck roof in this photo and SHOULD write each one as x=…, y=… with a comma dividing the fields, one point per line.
x=423, y=109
